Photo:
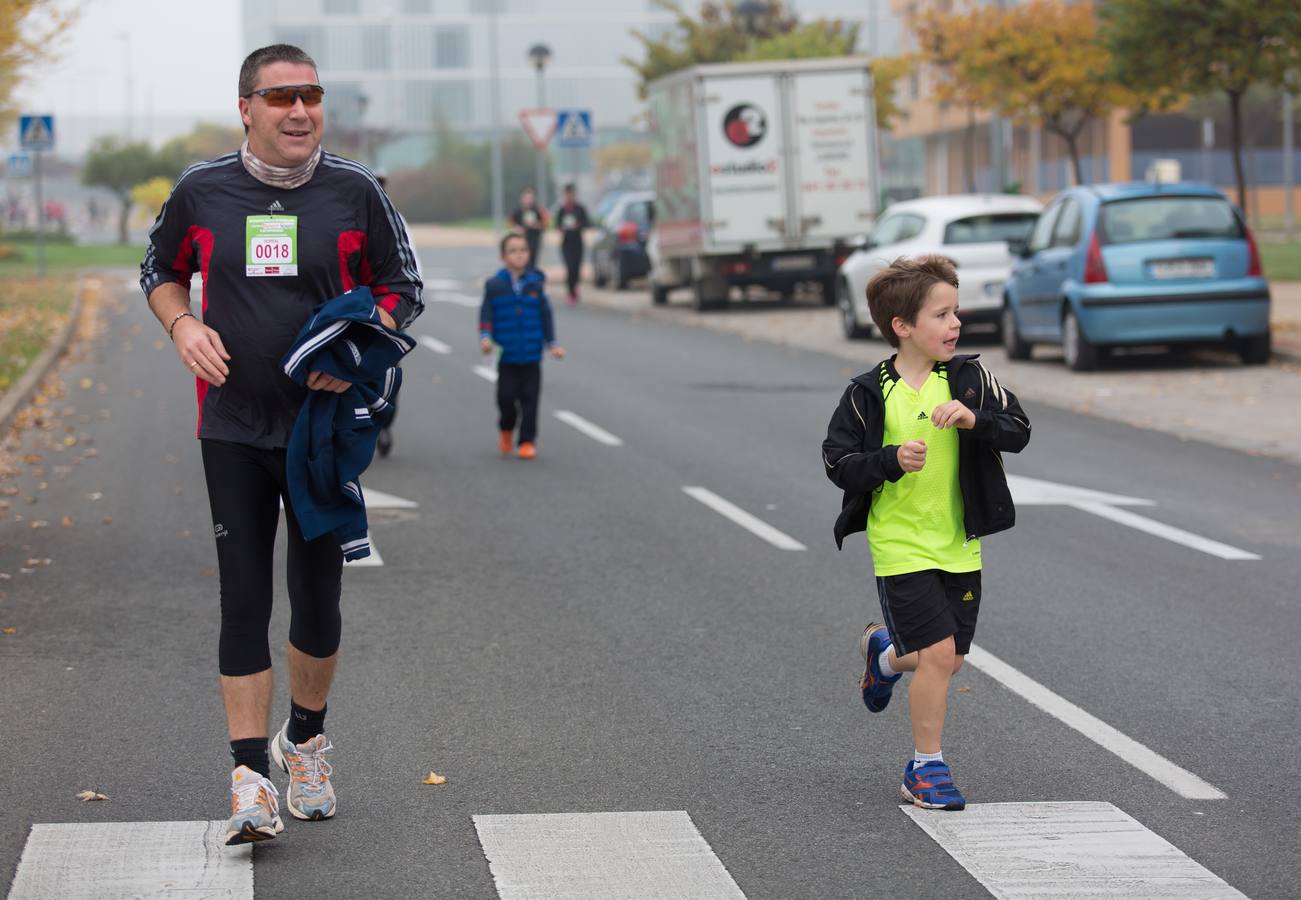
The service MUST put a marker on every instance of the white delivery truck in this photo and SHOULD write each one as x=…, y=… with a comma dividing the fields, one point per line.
x=765, y=173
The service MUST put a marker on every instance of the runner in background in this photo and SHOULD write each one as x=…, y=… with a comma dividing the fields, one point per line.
x=531, y=221
x=571, y=220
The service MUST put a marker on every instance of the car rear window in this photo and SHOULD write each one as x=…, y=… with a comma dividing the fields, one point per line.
x=988, y=229
x=1167, y=218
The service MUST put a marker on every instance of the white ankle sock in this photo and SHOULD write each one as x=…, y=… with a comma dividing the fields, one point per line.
x=921, y=759
x=883, y=662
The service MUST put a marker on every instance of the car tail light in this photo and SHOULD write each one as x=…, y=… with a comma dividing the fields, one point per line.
x=627, y=232
x=738, y=267
x=1254, y=268
x=1095, y=270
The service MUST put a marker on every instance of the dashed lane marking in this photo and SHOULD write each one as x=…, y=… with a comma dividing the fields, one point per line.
x=1026, y=851
x=120, y=860
x=602, y=855
x=595, y=432
x=1176, y=778
x=755, y=526
x=435, y=344
x=487, y=373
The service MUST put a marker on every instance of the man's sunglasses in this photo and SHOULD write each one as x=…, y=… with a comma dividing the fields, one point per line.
x=285, y=95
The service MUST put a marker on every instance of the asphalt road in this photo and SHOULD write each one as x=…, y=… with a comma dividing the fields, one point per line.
x=578, y=634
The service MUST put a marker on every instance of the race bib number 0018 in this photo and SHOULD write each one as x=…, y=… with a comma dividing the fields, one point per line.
x=271, y=246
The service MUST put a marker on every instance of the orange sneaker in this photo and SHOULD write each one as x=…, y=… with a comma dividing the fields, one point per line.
x=527, y=450
x=504, y=441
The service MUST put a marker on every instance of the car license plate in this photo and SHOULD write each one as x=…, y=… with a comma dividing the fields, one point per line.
x=1165, y=269
x=792, y=263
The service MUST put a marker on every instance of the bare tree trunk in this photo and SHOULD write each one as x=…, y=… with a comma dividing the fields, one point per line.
x=1071, y=137
x=123, y=217
x=1235, y=135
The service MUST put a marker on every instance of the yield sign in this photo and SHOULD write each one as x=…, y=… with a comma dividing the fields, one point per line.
x=539, y=125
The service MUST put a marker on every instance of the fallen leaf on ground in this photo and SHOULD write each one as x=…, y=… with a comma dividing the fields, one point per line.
x=67, y=522
x=39, y=523
x=96, y=495
x=88, y=796
x=107, y=520
x=15, y=631
x=434, y=778
x=90, y=452
x=963, y=690
x=86, y=383
x=69, y=441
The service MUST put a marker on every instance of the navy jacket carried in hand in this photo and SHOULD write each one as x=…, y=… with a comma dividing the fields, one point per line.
x=334, y=435
x=516, y=315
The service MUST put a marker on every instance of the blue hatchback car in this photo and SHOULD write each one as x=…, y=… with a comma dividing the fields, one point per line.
x=1113, y=265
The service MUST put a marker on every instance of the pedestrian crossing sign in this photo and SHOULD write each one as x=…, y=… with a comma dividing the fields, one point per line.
x=36, y=132
x=574, y=128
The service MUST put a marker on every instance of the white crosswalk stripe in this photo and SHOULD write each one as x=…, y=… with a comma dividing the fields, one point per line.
x=120, y=860
x=1027, y=851
x=597, y=856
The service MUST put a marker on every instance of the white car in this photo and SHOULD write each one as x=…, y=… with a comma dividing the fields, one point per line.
x=973, y=229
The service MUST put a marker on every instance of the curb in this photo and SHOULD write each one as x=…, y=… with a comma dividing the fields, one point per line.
x=16, y=396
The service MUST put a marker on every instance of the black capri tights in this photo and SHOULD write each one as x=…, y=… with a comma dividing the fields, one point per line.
x=245, y=486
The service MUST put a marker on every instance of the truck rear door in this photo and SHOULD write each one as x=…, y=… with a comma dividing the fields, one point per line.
x=833, y=127
x=742, y=173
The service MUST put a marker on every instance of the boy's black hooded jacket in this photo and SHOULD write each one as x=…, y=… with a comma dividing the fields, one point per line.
x=858, y=464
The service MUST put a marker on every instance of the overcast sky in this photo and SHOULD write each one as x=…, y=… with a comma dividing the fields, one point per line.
x=184, y=60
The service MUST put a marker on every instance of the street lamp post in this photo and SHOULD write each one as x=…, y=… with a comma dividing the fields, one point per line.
x=539, y=56
x=125, y=38
x=363, y=144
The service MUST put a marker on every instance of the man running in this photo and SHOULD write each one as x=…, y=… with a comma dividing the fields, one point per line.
x=275, y=229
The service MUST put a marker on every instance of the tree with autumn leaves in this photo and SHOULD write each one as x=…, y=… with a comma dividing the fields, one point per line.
x=1176, y=48
x=27, y=31
x=1039, y=62
x=731, y=31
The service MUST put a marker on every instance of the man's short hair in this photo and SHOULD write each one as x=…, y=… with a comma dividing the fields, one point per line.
x=900, y=289
x=507, y=238
x=265, y=56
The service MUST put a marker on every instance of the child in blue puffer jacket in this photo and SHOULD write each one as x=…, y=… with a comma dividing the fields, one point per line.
x=516, y=316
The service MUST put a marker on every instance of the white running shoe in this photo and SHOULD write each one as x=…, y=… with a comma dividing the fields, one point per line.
x=254, y=809
x=311, y=796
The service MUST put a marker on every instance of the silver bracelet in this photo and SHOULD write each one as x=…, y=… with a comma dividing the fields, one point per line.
x=178, y=318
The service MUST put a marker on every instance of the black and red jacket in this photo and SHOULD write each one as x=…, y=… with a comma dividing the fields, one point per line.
x=349, y=234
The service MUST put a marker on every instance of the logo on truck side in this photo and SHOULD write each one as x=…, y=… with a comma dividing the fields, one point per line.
x=745, y=125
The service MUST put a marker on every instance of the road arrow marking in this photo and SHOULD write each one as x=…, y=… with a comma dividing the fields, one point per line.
x=595, y=432
x=1034, y=492
x=1074, y=849
x=750, y=523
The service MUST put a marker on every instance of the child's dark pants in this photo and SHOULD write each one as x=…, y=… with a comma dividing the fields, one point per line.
x=518, y=387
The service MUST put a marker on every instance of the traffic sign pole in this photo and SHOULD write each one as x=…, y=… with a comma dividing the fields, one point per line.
x=40, y=215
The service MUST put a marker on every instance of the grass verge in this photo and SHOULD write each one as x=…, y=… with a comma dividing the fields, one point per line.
x=1282, y=261
x=62, y=258
x=31, y=311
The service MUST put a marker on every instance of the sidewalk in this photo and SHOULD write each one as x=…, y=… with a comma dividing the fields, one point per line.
x=1209, y=397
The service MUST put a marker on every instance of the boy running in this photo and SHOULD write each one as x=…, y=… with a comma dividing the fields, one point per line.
x=516, y=316
x=915, y=444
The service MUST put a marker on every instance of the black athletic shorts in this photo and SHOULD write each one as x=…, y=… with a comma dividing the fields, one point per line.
x=924, y=608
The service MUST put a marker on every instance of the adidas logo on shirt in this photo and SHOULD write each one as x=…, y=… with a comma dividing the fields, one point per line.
x=921, y=416
x=275, y=207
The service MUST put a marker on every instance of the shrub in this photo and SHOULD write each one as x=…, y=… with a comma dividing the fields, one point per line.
x=441, y=192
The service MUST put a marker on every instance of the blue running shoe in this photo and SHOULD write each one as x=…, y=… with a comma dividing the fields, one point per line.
x=931, y=786
x=876, y=687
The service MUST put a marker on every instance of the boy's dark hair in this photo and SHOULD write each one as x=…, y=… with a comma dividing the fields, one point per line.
x=507, y=238
x=265, y=56
x=900, y=289
x=570, y=188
